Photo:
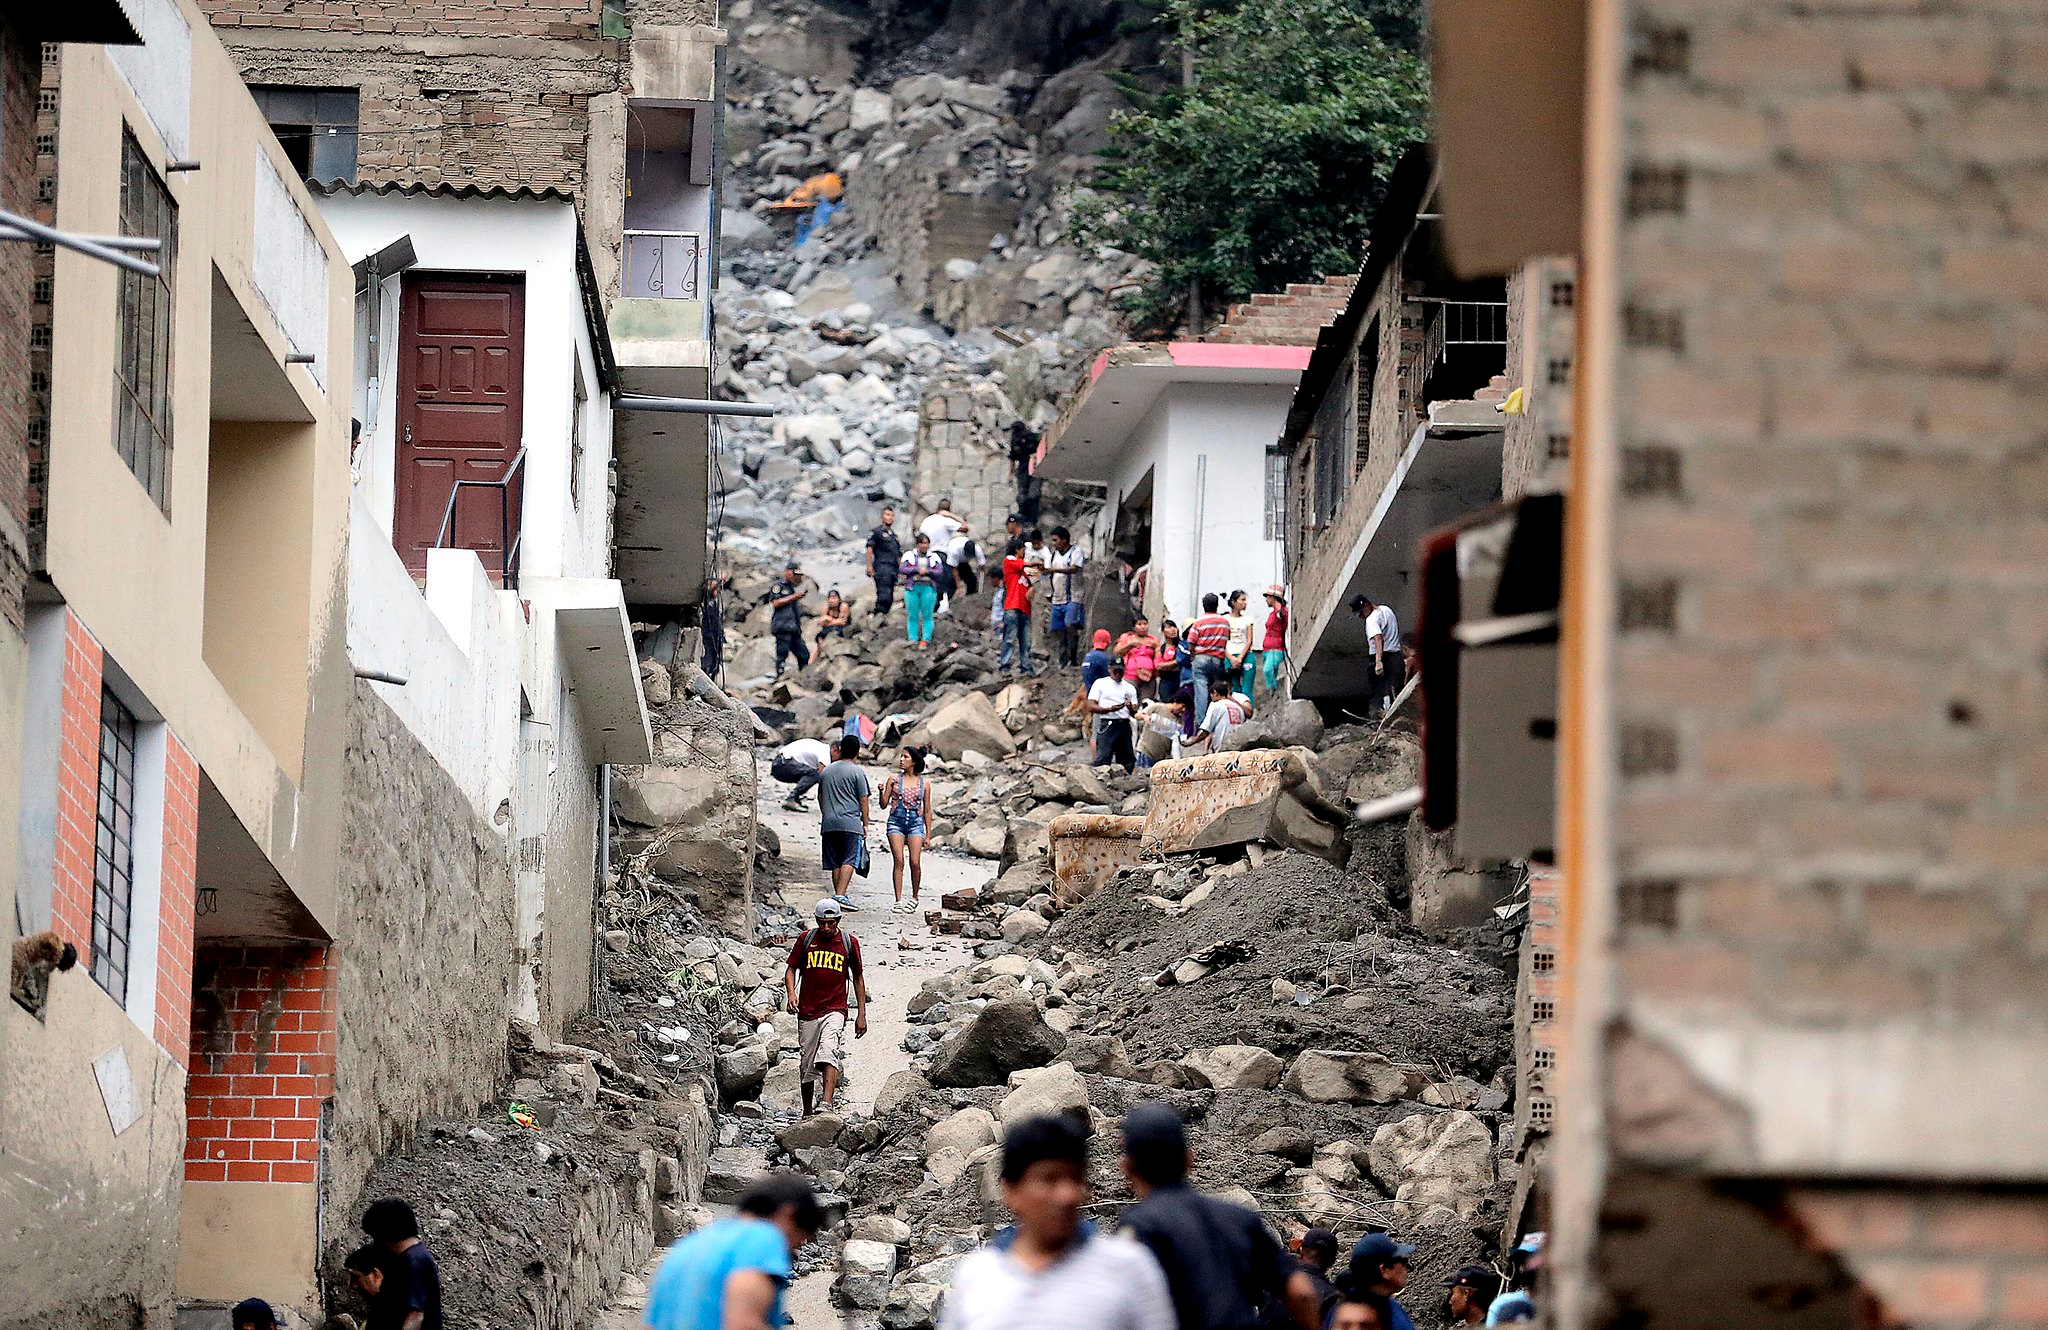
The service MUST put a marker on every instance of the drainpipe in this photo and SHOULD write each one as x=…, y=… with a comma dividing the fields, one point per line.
x=604, y=875
x=1201, y=520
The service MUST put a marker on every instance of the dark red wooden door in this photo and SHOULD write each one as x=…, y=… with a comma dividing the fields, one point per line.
x=461, y=358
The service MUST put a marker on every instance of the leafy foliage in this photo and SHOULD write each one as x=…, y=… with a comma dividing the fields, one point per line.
x=1268, y=169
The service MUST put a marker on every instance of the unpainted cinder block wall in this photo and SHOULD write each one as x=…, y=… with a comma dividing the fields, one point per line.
x=1830, y=754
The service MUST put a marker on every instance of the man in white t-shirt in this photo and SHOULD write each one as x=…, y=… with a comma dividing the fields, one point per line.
x=1063, y=564
x=799, y=762
x=944, y=527
x=1225, y=714
x=1113, y=701
x=1383, y=643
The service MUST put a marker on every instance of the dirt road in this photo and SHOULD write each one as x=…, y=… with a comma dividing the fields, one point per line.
x=895, y=972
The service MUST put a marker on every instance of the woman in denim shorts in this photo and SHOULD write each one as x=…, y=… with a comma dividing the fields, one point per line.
x=907, y=796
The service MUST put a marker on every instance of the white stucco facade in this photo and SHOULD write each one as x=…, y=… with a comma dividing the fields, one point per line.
x=521, y=694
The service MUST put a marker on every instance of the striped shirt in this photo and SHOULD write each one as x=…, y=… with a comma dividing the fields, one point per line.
x=1104, y=1283
x=1208, y=635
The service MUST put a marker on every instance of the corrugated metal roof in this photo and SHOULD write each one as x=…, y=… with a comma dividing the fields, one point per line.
x=442, y=190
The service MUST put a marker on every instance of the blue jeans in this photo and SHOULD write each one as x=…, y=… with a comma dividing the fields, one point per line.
x=1204, y=669
x=1016, y=639
x=919, y=601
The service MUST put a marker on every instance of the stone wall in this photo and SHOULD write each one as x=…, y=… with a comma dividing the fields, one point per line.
x=963, y=454
x=423, y=982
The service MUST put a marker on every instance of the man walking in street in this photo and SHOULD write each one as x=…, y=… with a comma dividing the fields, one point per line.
x=408, y=1293
x=731, y=1274
x=843, y=792
x=1054, y=1272
x=1063, y=564
x=1378, y=1273
x=1383, y=641
x=1208, y=639
x=787, y=622
x=1113, y=702
x=823, y=964
x=884, y=553
x=1223, y=1266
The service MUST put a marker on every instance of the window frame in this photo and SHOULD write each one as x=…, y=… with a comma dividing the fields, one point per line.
x=302, y=133
x=113, y=860
x=143, y=395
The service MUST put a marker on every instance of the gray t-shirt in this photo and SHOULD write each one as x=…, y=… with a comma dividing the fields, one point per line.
x=840, y=790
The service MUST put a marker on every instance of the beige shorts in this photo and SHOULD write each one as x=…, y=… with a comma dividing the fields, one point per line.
x=821, y=1040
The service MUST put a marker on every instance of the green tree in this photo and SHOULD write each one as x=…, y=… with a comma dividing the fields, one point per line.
x=1268, y=168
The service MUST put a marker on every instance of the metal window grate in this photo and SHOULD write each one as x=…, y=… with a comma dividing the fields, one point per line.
x=663, y=265
x=1276, y=495
x=113, y=862
x=142, y=389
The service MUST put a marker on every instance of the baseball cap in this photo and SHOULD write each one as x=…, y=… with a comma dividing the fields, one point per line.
x=252, y=1311
x=1478, y=1277
x=1359, y=602
x=1376, y=1249
x=827, y=909
x=1102, y=637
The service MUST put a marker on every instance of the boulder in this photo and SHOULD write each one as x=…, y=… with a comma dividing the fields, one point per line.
x=729, y=1172
x=968, y=721
x=809, y=1133
x=1102, y=1054
x=1427, y=1160
x=664, y=796
x=1289, y=1143
x=870, y=110
x=1055, y=1089
x=1234, y=1067
x=819, y=434
x=985, y=837
x=1004, y=1038
x=1333, y=1076
x=898, y=1090
x=741, y=1071
x=1021, y=926
x=966, y=1131
x=913, y=1306
x=883, y=1228
x=866, y=1270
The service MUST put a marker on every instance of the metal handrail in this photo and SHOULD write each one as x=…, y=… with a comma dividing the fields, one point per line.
x=691, y=282
x=508, y=539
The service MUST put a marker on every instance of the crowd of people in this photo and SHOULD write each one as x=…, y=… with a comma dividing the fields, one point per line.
x=1178, y=1260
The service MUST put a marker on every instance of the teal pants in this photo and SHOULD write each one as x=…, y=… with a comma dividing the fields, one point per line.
x=919, y=603
x=1269, y=669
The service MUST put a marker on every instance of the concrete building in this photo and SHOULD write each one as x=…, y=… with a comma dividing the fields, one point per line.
x=1180, y=436
x=1800, y=816
x=1394, y=430
x=184, y=711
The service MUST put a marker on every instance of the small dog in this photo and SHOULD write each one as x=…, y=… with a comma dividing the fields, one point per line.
x=34, y=957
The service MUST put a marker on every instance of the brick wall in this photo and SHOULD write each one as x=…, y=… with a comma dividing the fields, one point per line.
x=78, y=783
x=262, y=1064
x=20, y=66
x=1541, y=356
x=508, y=18
x=177, y=896
x=1286, y=318
x=1831, y=560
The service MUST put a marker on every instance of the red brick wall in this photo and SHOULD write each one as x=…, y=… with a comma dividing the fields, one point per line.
x=78, y=783
x=1287, y=318
x=177, y=897
x=262, y=1064
x=20, y=74
x=1935, y=1255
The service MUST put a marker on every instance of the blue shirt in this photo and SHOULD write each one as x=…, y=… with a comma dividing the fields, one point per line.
x=688, y=1292
x=1094, y=665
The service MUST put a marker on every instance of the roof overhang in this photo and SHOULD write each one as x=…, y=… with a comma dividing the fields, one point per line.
x=1509, y=94
x=595, y=640
x=1451, y=467
x=1125, y=381
x=99, y=22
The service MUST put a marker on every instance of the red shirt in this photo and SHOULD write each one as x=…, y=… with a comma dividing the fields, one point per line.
x=1208, y=635
x=824, y=966
x=1016, y=586
x=1276, y=629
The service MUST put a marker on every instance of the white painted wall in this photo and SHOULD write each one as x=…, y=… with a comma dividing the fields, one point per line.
x=1221, y=496
x=290, y=267
x=562, y=537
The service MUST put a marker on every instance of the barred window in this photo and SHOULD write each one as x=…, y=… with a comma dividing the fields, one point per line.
x=142, y=391
x=1276, y=495
x=113, y=862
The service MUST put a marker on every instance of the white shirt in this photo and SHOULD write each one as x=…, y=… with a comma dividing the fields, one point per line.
x=1241, y=627
x=1222, y=717
x=956, y=550
x=1107, y=1283
x=941, y=527
x=1036, y=554
x=1060, y=566
x=811, y=752
x=1381, y=621
x=1117, y=693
